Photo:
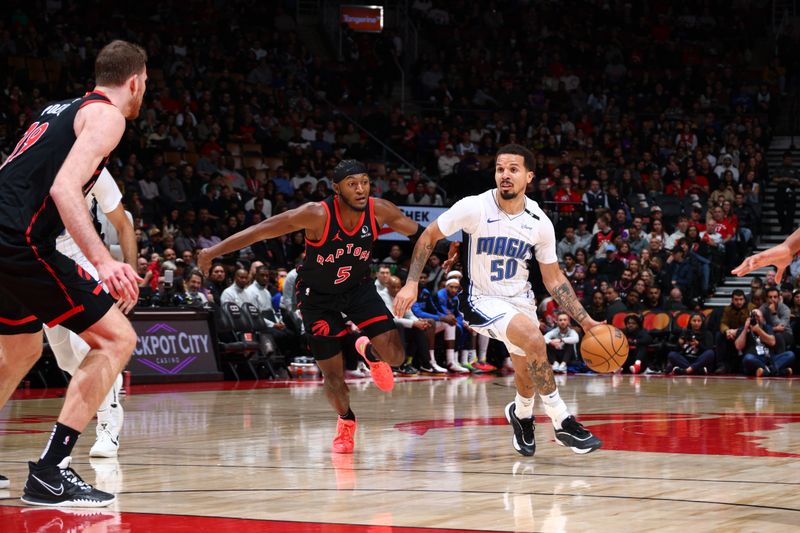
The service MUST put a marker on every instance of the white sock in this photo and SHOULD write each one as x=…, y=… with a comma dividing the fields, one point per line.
x=483, y=344
x=471, y=355
x=464, y=357
x=555, y=408
x=451, y=356
x=523, y=407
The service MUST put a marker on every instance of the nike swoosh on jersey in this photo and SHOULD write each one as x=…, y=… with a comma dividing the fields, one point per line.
x=489, y=220
x=50, y=487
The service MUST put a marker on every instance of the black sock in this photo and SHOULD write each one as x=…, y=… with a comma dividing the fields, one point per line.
x=62, y=439
x=348, y=415
x=371, y=354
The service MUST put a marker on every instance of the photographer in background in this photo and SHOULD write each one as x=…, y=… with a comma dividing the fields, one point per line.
x=696, y=344
x=762, y=351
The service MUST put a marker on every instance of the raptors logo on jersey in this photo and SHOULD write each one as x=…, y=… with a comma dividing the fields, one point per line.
x=340, y=259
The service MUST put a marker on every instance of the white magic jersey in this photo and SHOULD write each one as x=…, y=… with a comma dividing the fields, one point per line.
x=108, y=197
x=497, y=246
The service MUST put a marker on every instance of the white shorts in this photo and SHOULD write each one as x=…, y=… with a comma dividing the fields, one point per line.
x=490, y=316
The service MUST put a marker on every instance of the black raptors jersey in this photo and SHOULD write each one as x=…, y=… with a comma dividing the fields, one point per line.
x=340, y=260
x=28, y=215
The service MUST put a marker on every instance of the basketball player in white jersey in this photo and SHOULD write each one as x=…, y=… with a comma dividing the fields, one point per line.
x=105, y=202
x=503, y=230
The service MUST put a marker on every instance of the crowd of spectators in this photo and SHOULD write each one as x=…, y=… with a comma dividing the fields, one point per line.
x=650, y=122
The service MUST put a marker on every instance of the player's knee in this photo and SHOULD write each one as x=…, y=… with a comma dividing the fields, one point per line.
x=124, y=342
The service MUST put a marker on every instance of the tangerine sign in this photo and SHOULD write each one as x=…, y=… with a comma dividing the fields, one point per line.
x=362, y=18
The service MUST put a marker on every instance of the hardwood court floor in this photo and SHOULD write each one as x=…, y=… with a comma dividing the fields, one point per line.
x=682, y=454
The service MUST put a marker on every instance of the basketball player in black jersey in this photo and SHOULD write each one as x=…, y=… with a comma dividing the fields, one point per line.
x=334, y=280
x=42, y=187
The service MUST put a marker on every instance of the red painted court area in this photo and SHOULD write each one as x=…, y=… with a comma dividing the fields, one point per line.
x=35, y=520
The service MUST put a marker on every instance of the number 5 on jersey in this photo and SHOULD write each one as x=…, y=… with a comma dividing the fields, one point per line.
x=501, y=271
x=342, y=274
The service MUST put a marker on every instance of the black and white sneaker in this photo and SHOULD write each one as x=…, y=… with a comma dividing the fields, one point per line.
x=4, y=483
x=576, y=437
x=61, y=486
x=523, y=439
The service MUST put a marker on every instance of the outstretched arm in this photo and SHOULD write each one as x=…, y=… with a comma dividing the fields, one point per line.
x=780, y=256
x=561, y=289
x=422, y=251
x=304, y=217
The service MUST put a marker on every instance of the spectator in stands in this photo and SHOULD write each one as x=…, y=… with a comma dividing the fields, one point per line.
x=695, y=353
x=633, y=301
x=171, y=189
x=675, y=301
x=568, y=244
x=680, y=271
x=638, y=341
x=611, y=267
x=679, y=233
x=636, y=240
x=435, y=272
x=734, y=317
x=561, y=342
x=778, y=316
x=604, y=235
x=258, y=293
x=236, y=292
x=614, y=304
x=195, y=292
x=594, y=199
x=762, y=354
x=652, y=299
x=624, y=284
x=597, y=307
x=412, y=330
x=382, y=278
x=447, y=161
x=394, y=194
x=395, y=255
x=582, y=235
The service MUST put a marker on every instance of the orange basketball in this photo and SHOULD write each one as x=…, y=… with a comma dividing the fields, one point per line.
x=604, y=348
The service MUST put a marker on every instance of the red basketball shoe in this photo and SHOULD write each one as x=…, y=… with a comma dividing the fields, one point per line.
x=345, y=432
x=381, y=372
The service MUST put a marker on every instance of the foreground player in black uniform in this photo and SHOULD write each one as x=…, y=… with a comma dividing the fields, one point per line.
x=42, y=187
x=334, y=280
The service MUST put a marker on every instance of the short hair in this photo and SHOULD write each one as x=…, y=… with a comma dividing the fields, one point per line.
x=773, y=289
x=517, y=149
x=737, y=292
x=118, y=61
x=262, y=268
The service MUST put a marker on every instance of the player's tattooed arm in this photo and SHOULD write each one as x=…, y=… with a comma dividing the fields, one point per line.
x=422, y=251
x=568, y=302
x=561, y=290
x=542, y=375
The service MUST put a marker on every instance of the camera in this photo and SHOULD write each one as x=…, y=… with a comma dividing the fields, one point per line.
x=753, y=319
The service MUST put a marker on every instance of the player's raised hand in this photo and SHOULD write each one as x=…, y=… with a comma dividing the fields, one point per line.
x=780, y=256
x=120, y=279
x=204, y=261
x=405, y=298
x=452, y=256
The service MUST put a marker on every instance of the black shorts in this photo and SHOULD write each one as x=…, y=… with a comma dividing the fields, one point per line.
x=324, y=323
x=47, y=287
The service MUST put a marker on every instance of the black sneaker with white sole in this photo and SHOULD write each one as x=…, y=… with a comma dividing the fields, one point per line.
x=61, y=486
x=4, y=483
x=576, y=437
x=523, y=439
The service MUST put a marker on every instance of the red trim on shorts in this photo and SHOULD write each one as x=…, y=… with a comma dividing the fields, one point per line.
x=39, y=258
x=10, y=322
x=372, y=321
x=340, y=334
x=97, y=289
x=339, y=218
x=372, y=219
x=58, y=320
x=327, y=228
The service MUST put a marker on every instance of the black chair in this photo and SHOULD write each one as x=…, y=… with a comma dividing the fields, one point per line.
x=268, y=348
x=236, y=338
